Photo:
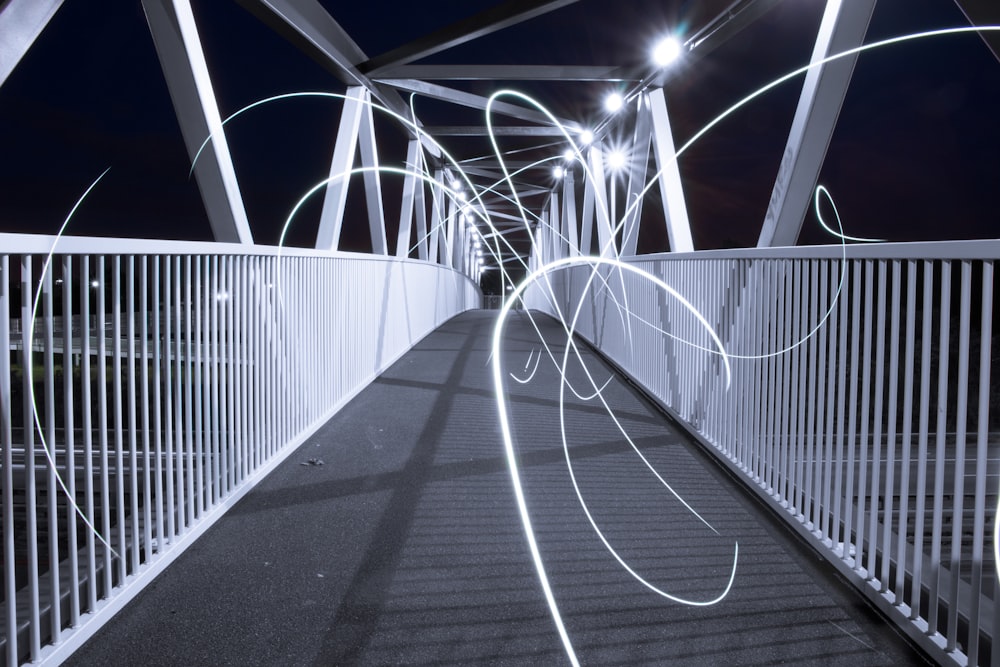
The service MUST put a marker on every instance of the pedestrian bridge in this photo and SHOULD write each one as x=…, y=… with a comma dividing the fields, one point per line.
x=534, y=424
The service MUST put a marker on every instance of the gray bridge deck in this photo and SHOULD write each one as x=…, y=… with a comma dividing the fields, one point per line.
x=405, y=546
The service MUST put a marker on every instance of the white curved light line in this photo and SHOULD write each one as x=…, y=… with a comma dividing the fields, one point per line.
x=821, y=190
x=533, y=370
x=505, y=423
x=799, y=342
x=616, y=263
x=569, y=334
x=412, y=125
x=30, y=371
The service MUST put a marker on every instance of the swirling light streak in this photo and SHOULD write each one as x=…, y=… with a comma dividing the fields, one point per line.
x=821, y=191
x=496, y=351
x=542, y=273
x=30, y=370
x=533, y=370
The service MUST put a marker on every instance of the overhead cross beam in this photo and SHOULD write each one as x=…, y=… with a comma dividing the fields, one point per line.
x=506, y=73
x=438, y=92
x=307, y=25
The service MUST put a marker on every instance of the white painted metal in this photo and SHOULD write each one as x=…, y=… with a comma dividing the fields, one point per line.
x=335, y=199
x=607, y=246
x=570, y=222
x=21, y=22
x=194, y=359
x=372, y=178
x=674, y=207
x=410, y=186
x=638, y=164
x=843, y=27
x=175, y=35
x=844, y=452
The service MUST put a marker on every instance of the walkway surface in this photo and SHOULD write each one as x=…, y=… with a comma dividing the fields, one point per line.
x=405, y=547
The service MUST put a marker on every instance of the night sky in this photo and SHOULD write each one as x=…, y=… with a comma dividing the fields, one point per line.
x=914, y=157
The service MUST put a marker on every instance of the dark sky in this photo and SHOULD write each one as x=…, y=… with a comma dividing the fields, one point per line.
x=914, y=156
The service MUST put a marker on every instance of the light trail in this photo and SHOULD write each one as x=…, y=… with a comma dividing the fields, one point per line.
x=30, y=371
x=542, y=273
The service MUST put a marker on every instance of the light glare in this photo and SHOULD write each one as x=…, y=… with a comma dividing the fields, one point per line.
x=613, y=102
x=616, y=159
x=667, y=51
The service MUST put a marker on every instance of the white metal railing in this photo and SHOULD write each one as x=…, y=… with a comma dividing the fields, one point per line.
x=872, y=436
x=186, y=373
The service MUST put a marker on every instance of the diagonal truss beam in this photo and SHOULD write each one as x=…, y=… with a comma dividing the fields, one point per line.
x=310, y=28
x=21, y=22
x=496, y=18
x=175, y=35
x=843, y=27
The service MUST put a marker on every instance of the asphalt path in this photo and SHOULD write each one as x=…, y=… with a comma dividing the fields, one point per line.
x=406, y=546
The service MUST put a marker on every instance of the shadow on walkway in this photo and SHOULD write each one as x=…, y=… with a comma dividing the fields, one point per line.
x=405, y=546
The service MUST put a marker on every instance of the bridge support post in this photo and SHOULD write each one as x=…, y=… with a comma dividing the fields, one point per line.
x=21, y=22
x=356, y=128
x=411, y=184
x=843, y=27
x=638, y=164
x=175, y=35
x=598, y=182
x=569, y=214
x=674, y=206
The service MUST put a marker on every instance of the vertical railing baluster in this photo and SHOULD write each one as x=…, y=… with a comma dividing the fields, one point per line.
x=88, y=443
x=161, y=421
x=934, y=594
x=146, y=398
x=788, y=375
x=169, y=296
x=198, y=469
x=70, y=439
x=102, y=426
x=52, y=487
x=190, y=503
x=877, y=422
x=30, y=491
x=6, y=451
x=863, y=462
x=244, y=300
x=832, y=369
x=180, y=408
x=116, y=386
x=839, y=539
x=232, y=455
x=909, y=353
x=890, y=442
x=982, y=444
x=919, y=516
x=133, y=427
x=961, y=417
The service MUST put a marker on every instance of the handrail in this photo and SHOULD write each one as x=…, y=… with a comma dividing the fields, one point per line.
x=168, y=380
x=979, y=249
x=861, y=409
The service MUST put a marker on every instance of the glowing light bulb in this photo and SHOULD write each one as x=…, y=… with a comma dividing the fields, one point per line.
x=616, y=159
x=568, y=154
x=667, y=50
x=613, y=102
x=586, y=137
x=558, y=172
